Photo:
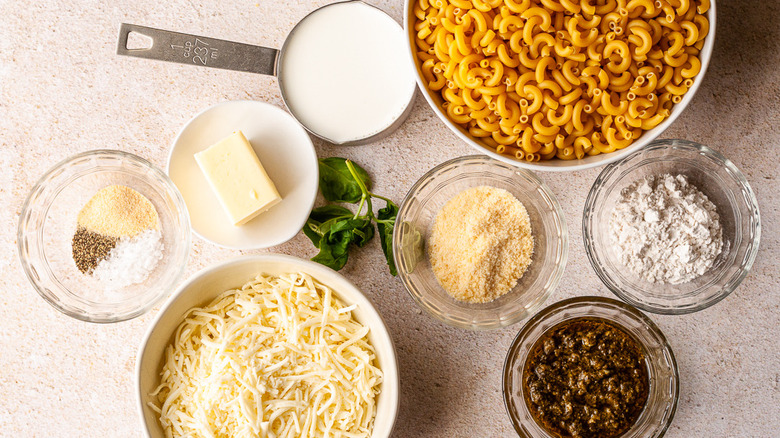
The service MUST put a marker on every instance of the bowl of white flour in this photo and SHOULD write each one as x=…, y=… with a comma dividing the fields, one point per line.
x=673, y=228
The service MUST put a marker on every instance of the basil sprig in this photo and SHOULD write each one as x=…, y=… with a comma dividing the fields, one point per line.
x=333, y=229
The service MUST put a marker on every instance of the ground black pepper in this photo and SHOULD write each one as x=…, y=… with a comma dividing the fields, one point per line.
x=90, y=248
x=586, y=377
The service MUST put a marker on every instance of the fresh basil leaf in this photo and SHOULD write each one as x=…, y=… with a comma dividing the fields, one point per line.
x=308, y=230
x=318, y=224
x=333, y=254
x=337, y=183
x=333, y=229
x=363, y=234
x=361, y=230
x=385, y=225
x=340, y=234
x=327, y=212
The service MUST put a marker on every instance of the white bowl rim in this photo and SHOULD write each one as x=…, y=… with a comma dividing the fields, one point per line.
x=571, y=165
x=390, y=368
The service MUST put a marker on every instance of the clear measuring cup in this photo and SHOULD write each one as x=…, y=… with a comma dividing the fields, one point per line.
x=364, y=89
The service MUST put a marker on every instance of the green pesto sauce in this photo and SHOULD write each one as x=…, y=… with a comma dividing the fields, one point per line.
x=586, y=377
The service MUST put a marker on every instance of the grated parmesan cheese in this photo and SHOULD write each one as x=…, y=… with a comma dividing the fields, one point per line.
x=481, y=244
x=280, y=357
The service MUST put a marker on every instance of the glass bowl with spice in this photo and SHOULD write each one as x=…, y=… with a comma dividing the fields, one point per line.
x=480, y=244
x=673, y=228
x=104, y=236
x=590, y=367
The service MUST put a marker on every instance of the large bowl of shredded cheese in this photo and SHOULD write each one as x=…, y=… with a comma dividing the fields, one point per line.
x=267, y=345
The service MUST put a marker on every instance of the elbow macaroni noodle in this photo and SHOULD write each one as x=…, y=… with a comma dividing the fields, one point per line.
x=539, y=79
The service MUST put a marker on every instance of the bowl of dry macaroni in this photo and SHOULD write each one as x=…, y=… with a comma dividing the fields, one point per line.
x=267, y=345
x=559, y=84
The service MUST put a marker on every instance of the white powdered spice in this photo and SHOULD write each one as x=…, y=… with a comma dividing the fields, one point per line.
x=131, y=260
x=665, y=230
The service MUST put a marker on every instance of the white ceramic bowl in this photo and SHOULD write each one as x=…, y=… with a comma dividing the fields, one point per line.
x=210, y=282
x=559, y=165
x=287, y=154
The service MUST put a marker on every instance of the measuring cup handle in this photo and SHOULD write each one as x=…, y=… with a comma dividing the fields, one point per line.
x=197, y=50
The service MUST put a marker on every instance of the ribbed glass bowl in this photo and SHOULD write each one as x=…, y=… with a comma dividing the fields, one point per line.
x=724, y=185
x=48, y=221
x=414, y=226
x=664, y=387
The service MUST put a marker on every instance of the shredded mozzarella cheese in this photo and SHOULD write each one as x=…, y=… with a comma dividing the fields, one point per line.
x=280, y=357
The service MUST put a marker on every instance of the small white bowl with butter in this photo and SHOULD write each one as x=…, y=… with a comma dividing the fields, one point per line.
x=219, y=192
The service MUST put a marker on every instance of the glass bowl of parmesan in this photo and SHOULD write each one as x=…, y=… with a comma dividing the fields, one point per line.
x=103, y=236
x=673, y=228
x=480, y=244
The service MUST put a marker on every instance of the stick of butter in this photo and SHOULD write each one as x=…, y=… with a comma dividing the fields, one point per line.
x=238, y=178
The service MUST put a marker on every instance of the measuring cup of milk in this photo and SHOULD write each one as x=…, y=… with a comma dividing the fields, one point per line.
x=343, y=70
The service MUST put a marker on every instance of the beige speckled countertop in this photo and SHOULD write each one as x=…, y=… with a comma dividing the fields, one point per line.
x=63, y=91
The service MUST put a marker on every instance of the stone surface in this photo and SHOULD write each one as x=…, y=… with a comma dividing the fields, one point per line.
x=63, y=90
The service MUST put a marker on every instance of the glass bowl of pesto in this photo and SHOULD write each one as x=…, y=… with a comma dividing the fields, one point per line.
x=590, y=367
x=414, y=229
x=707, y=172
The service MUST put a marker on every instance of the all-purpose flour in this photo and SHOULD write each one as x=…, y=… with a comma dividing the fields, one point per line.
x=665, y=230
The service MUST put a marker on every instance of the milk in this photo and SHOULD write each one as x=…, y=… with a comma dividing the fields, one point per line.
x=344, y=72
